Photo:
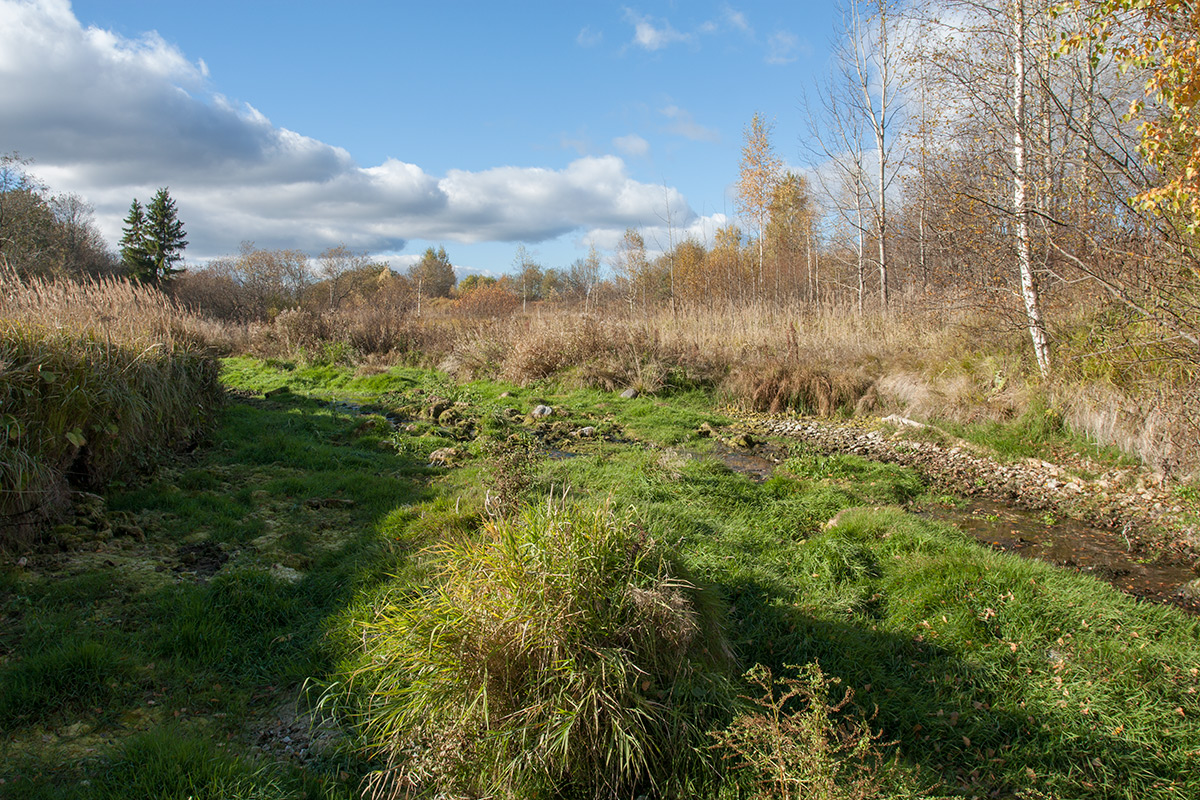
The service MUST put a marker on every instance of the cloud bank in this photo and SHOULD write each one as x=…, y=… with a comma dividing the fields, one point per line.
x=114, y=118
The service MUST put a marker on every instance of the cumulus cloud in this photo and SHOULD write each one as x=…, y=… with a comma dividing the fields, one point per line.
x=114, y=118
x=632, y=145
x=651, y=35
x=685, y=125
x=658, y=236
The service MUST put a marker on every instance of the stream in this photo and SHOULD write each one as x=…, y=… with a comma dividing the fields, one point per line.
x=1103, y=553
x=1064, y=542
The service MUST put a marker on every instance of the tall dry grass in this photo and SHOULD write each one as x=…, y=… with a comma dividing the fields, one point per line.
x=946, y=362
x=96, y=379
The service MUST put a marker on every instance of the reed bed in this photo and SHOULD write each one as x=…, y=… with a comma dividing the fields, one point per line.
x=96, y=379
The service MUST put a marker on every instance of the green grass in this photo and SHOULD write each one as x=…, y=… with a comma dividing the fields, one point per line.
x=1039, y=432
x=990, y=675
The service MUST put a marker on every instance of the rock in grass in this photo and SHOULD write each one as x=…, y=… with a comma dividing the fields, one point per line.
x=445, y=457
x=437, y=406
x=586, y=432
x=630, y=393
x=541, y=411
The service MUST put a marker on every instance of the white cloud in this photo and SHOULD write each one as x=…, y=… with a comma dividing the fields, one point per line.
x=649, y=36
x=588, y=37
x=784, y=47
x=113, y=118
x=659, y=236
x=736, y=19
x=632, y=145
x=685, y=125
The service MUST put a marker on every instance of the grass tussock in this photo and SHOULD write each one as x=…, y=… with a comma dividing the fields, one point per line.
x=563, y=653
x=95, y=380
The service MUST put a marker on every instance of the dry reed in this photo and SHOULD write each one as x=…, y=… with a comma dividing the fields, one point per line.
x=96, y=378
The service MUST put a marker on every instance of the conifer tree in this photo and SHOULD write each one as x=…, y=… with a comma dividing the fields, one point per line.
x=165, y=237
x=135, y=255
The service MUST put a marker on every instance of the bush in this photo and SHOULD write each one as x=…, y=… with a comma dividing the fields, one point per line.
x=562, y=654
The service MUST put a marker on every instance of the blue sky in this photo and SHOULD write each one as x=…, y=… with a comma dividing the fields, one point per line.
x=392, y=126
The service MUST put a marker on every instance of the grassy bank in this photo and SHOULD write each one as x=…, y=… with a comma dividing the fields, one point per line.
x=292, y=544
x=96, y=382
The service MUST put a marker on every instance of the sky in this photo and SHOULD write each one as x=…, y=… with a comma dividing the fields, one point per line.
x=395, y=126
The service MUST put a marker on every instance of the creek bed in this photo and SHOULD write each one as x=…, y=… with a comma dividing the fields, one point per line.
x=1062, y=541
x=1069, y=543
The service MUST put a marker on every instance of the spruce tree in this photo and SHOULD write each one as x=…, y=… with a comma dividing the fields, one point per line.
x=164, y=237
x=135, y=256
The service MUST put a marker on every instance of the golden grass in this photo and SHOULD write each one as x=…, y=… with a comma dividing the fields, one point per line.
x=96, y=378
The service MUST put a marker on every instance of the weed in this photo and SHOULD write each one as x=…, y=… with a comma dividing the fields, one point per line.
x=796, y=743
x=510, y=466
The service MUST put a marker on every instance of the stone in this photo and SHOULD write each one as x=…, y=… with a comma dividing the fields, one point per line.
x=586, y=432
x=444, y=457
x=437, y=405
x=541, y=411
x=630, y=393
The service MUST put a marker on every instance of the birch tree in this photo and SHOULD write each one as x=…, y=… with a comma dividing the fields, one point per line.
x=759, y=172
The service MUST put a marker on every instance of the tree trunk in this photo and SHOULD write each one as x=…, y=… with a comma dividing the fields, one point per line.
x=1029, y=290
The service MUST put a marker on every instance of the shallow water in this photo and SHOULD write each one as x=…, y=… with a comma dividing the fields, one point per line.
x=1104, y=554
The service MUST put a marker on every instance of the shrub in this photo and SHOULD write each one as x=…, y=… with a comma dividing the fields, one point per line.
x=562, y=654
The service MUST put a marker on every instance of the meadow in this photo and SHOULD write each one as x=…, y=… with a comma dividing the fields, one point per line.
x=559, y=614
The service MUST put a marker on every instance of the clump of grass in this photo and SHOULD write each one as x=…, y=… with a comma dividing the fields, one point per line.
x=79, y=409
x=65, y=677
x=801, y=387
x=796, y=743
x=563, y=653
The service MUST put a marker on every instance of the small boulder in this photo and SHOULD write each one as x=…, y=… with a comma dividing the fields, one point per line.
x=541, y=411
x=444, y=457
x=741, y=440
x=586, y=432
x=630, y=393
x=437, y=405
